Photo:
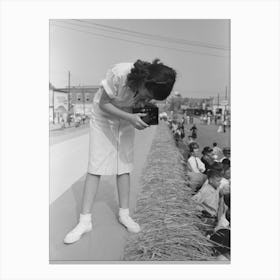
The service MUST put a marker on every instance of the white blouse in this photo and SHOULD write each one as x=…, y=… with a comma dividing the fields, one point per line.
x=196, y=164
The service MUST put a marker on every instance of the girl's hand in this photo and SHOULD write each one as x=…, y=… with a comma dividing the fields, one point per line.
x=137, y=122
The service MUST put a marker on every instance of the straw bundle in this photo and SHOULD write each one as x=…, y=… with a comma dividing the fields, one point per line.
x=165, y=211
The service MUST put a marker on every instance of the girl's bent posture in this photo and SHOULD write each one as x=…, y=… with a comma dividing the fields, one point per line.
x=112, y=126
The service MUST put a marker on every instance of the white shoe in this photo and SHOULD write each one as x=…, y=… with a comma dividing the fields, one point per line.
x=128, y=222
x=82, y=227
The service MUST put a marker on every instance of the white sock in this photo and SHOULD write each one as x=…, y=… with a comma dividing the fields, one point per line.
x=123, y=212
x=85, y=218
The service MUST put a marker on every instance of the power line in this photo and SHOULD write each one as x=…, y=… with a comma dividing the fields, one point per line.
x=156, y=37
x=141, y=43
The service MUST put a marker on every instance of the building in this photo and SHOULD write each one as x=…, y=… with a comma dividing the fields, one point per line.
x=221, y=106
x=81, y=98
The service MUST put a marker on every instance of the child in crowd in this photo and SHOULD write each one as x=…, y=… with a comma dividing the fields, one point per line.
x=221, y=235
x=225, y=162
x=225, y=182
x=208, y=199
x=208, y=195
x=194, y=162
x=217, y=151
x=195, y=167
x=112, y=125
x=207, y=158
x=217, y=166
x=226, y=154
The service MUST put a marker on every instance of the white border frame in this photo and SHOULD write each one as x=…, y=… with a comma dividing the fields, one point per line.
x=255, y=143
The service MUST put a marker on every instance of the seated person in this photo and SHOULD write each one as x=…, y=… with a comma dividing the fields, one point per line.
x=225, y=162
x=221, y=235
x=216, y=166
x=225, y=182
x=207, y=158
x=208, y=198
x=226, y=154
x=217, y=151
x=195, y=175
x=194, y=162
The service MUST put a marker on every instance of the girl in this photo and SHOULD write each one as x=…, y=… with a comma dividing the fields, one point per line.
x=194, y=162
x=112, y=126
x=195, y=168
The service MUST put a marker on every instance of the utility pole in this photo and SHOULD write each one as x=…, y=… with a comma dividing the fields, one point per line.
x=53, y=103
x=68, y=92
x=226, y=105
x=83, y=93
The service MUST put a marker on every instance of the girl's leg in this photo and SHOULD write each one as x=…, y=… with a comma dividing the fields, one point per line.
x=85, y=224
x=123, y=184
x=90, y=190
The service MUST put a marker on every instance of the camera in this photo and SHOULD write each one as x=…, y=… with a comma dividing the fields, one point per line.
x=151, y=112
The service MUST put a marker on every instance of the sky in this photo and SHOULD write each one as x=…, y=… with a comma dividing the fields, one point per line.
x=199, y=50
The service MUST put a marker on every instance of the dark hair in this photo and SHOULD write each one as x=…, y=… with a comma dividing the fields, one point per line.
x=212, y=173
x=206, y=150
x=217, y=166
x=156, y=77
x=215, y=144
x=226, y=163
x=193, y=146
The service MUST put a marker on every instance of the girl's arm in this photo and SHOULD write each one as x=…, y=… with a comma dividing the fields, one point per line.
x=106, y=105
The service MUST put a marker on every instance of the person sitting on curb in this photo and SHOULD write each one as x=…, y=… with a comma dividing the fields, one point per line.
x=225, y=182
x=221, y=235
x=195, y=167
x=207, y=158
x=194, y=162
x=217, y=151
x=208, y=200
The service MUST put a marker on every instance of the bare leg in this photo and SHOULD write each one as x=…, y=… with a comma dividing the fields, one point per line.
x=85, y=223
x=123, y=184
x=90, y=189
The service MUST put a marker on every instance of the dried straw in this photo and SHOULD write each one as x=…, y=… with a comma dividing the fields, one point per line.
x=165, y=210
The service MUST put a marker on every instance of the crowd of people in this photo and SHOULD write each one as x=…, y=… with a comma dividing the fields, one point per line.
x=71, y=120
x=209, y=179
